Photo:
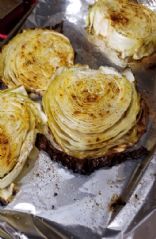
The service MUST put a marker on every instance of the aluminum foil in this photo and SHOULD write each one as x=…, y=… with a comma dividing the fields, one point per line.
x=52, y=201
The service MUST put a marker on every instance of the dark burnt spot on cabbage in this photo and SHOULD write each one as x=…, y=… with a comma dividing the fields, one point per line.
x=92, y=115
x=87, y=166
x=28, y=62
x=119, y=18
x=35, y=47
x=113, y=157
x=101, y=114
x=97, y=139
x=77, y=112
x=73, y=96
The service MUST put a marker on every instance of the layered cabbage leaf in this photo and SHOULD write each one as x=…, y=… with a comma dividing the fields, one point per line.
x=126, y=27
x=20, y=121
x=32, y=57
x=92, y=113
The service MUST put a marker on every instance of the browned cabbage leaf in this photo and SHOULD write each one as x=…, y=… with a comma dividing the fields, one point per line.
x=91, y=112
x=20, y=121
x=124, y=26
x=32, y=57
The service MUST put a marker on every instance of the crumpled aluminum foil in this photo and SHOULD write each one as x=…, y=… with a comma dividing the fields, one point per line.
x=52, y=201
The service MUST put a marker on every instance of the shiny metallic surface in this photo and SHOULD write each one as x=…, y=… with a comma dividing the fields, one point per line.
x=52, y=201
x=149, y=3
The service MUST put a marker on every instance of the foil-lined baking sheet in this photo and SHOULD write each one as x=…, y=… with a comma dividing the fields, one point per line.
x=52, y=201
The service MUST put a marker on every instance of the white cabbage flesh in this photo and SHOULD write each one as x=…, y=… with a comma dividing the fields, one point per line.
x=126, y=27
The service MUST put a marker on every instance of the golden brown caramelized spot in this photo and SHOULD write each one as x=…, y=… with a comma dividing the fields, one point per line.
x=101, y=114
x=28, y=62
x=109, y=84
x=33, y=60
x=4, y=147
x=22, y=55
x=78, y=83
x=3, y=139
x=8, y=161
x=117, y=90
x=91, y=98
x=63, y=58
x=76, y=112
x=108, y=90
x=109, y=105
x=23, y=46
x=12, y=116
x=104, y=113
x=85, y=91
